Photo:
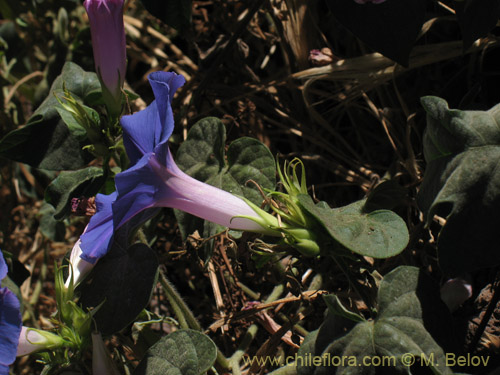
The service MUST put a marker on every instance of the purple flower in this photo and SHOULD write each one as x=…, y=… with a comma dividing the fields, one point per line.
x=154, y=180
x=98, y=234
x=10, y=323
x=108, y=43
x=96, y=240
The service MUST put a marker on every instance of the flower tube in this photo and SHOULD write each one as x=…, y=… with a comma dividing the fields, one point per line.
x=109, y=46
x=10, y=323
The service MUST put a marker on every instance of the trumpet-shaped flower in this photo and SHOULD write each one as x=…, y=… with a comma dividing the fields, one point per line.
x=108, y=44
x=154, y=180
x=10, y=323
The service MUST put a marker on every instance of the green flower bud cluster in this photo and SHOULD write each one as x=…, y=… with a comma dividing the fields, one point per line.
x=291, y=222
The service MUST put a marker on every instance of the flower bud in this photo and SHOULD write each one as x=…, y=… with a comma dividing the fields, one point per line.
x=32, y=340
x=108, y=44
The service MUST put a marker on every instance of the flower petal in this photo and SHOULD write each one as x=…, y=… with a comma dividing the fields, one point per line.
x=164, y=86
x=97, y=237
x=79, y=266
x=32, y=340
x=28, y=340
x=139, y=132
x=145, y=130
x=136, y=187
x=3, y=267
x=10, y=328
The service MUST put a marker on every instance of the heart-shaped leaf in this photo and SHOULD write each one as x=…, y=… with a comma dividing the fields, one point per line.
x=50, y=227
x=124, y=282
x=183, y=352
x=73, y=184
x=390, y=28
x=378, y=234
x=46, y=141
x=462, y=183
x=202, y=155
x=408, y=299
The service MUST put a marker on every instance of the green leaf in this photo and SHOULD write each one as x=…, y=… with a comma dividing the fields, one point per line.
x=462, y=184
x=73, y=184
x=183, y=352
x=378, y=234
x=202, y=156
x=46, y=141
x=50, y=227
x=336, y=307
x=176, y=13
x=316, y=341
x=124, y=281
x=390, y=28
x=408, y=300
x=74, y=126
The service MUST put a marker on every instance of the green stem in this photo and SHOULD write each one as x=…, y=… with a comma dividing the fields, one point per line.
x=182, y=312
x=275, y=294
x=222, y=360
x=235, y=359
x=185, y=316
x=249, y=292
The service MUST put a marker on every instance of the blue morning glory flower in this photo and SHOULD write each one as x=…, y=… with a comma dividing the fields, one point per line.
x=10, y=323
x=154, y=180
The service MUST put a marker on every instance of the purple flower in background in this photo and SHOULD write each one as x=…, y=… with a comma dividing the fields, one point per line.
x=369, y=1
x=10, y=323
x=154, y=180
x=108, y=44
